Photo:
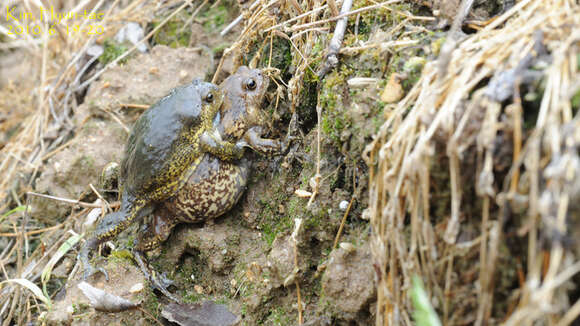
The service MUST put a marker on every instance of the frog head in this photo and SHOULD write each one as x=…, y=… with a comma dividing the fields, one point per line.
x=245, y=91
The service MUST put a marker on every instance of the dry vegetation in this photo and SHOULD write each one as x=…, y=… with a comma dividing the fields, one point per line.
x=476, y=196
x=471, y=189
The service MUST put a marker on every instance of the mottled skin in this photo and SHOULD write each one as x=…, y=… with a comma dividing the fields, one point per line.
x=216, y=185
x=165, y=147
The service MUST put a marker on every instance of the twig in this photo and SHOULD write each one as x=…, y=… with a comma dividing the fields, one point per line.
x=236, y=21
x=33, y=232
x=336, y=41
x=294, y=237
x=296, y=6
x=342, y=15
x=114, y=117
x=134, y=106
x=315, y=181
x=296, y=18
x=342, y=223
x=190, y=20
x=65, y=200
x=454, y=38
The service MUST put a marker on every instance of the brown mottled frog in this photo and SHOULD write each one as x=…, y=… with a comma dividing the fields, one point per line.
x=165, y=147
x=216, y=185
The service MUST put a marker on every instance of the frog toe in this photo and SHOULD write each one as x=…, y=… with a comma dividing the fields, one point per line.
x=91, y=270
x=164, y=281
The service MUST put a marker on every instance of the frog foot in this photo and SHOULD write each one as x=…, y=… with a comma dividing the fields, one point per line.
x=159, y=283
x=286, y=144
x=91, y=270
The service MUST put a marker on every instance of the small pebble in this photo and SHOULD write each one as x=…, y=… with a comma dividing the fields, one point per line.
x=302, y=193
x=366, y=214
x=93, y=214
x=348, y=247
x=343, y=205
x=136, y=288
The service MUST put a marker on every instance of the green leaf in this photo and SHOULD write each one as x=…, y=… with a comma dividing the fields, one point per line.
x=32, y=287
x=18, y=209
x=62, y=250
x=424, y=313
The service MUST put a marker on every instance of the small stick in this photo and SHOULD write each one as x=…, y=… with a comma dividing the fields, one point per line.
x=455, y=37
x=236, y=21
x=117, y=120
x=294, y=237
x=33, y=232
x=317, y=177
x=342, y=15
x=65, y=200
x=315, y=10
x=190, y=20
x=336, y=41
x=342, y=223
x=134, y=106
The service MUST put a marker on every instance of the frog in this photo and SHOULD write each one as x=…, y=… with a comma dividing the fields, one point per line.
x=166, y=145
x=216, y=185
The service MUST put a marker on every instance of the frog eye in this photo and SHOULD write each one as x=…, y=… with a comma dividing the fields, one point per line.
x=250, y=84
x=209, y=97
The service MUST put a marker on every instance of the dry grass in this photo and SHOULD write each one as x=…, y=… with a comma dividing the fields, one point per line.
x=413, y=235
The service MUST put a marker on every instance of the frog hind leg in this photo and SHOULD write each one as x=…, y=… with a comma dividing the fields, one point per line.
x=159, y=283
x=151, y=235
x=156, y=231
x=111, y=225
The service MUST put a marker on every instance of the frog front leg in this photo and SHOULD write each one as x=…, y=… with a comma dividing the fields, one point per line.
x=211, y=142
x=261, y=145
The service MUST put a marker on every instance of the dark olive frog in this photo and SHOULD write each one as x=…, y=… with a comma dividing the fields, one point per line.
x=216, y=184
x=165, y=147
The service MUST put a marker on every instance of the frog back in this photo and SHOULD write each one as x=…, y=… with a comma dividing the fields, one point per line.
x=156, y=136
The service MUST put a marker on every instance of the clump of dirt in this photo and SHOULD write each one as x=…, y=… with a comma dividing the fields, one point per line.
x=346, y=287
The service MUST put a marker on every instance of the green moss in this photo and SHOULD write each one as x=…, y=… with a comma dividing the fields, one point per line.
x=215, y=18
x=173, y=33
x=216, y=50
x=278, y=316
x=281, y=55
x=80, y=308
x=151, y=303
x=112, y=50
x=123, y=254
x=575, y=102
x=192, y=297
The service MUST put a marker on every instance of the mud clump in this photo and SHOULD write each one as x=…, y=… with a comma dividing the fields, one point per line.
x=348, y=284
